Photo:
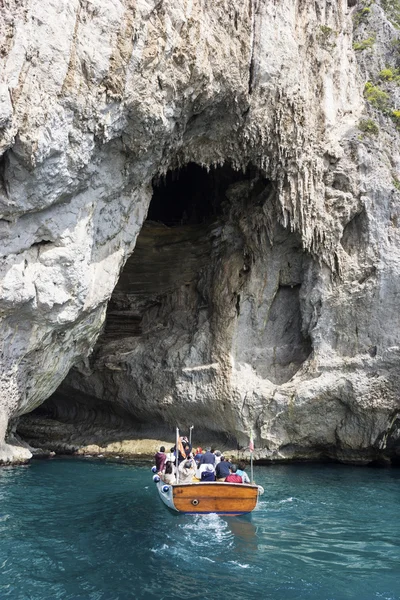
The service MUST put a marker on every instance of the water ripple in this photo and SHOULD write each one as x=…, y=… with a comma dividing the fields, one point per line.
x=86, y=530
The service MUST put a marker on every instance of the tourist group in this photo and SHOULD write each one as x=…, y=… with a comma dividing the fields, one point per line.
x=184, y=465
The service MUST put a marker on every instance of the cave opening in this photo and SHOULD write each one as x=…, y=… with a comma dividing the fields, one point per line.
x=204, y=281
x=192, y=194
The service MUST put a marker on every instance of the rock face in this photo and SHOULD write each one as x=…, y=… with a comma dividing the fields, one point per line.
x=199, y=224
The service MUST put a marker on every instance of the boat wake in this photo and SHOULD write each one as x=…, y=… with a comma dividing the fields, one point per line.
x=203, y=529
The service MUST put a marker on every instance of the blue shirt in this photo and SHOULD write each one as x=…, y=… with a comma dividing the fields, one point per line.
x=243, y=475
x=208, y=459
x=222, y=469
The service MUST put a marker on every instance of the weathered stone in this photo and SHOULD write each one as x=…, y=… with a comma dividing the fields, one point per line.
x=272, y=306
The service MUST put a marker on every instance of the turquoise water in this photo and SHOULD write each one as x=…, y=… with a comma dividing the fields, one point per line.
x=91, y=530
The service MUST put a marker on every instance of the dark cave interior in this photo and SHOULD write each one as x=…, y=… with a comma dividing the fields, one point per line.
x=192, y=195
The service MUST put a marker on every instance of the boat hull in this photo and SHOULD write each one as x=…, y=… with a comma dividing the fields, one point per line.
x=210, y=497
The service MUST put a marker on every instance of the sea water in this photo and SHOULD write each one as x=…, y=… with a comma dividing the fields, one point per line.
x=90, y=530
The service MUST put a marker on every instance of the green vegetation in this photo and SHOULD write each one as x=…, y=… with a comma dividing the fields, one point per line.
x=368, y=126
x=326, y=37
x=389, y=74
x=396, y=183
x=386, y=74
x=395, y=114
x=325, y=30
x=379, y=100
x=361, y=16
x=392, y=10
x=396, y=44
x=376, y=97
x=364, y=44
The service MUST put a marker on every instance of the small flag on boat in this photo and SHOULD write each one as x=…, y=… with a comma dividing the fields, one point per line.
x=251, y=443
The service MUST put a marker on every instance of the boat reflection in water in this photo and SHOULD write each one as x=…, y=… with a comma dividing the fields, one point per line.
x=244, y=531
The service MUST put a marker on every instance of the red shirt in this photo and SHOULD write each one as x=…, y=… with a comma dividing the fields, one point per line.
x=233, y=478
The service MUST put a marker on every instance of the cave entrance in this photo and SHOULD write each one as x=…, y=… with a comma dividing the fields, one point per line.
x=213, y=275
x=190, y=195
x=172, y=250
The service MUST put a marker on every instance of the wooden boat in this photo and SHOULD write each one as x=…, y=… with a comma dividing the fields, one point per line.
x=209, y=497
x=204, y=497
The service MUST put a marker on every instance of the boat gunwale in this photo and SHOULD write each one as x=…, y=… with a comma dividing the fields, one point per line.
x=218, y=483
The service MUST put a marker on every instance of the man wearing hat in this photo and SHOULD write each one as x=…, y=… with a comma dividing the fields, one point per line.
x=208, y=474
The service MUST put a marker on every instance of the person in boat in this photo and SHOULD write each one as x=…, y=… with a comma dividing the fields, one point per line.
x=186, y=444
x=160, y=458
x=187, y=470
x=198, y=455
x=242, y=473
x=169, y=474
x=208, y=474
x=217, y=455
x=171, y=455
x=208, y=458
x=233, y=477
x=222, y=469
x=180, y=450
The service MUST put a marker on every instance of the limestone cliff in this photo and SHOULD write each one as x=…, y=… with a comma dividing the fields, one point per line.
x=199, y=223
